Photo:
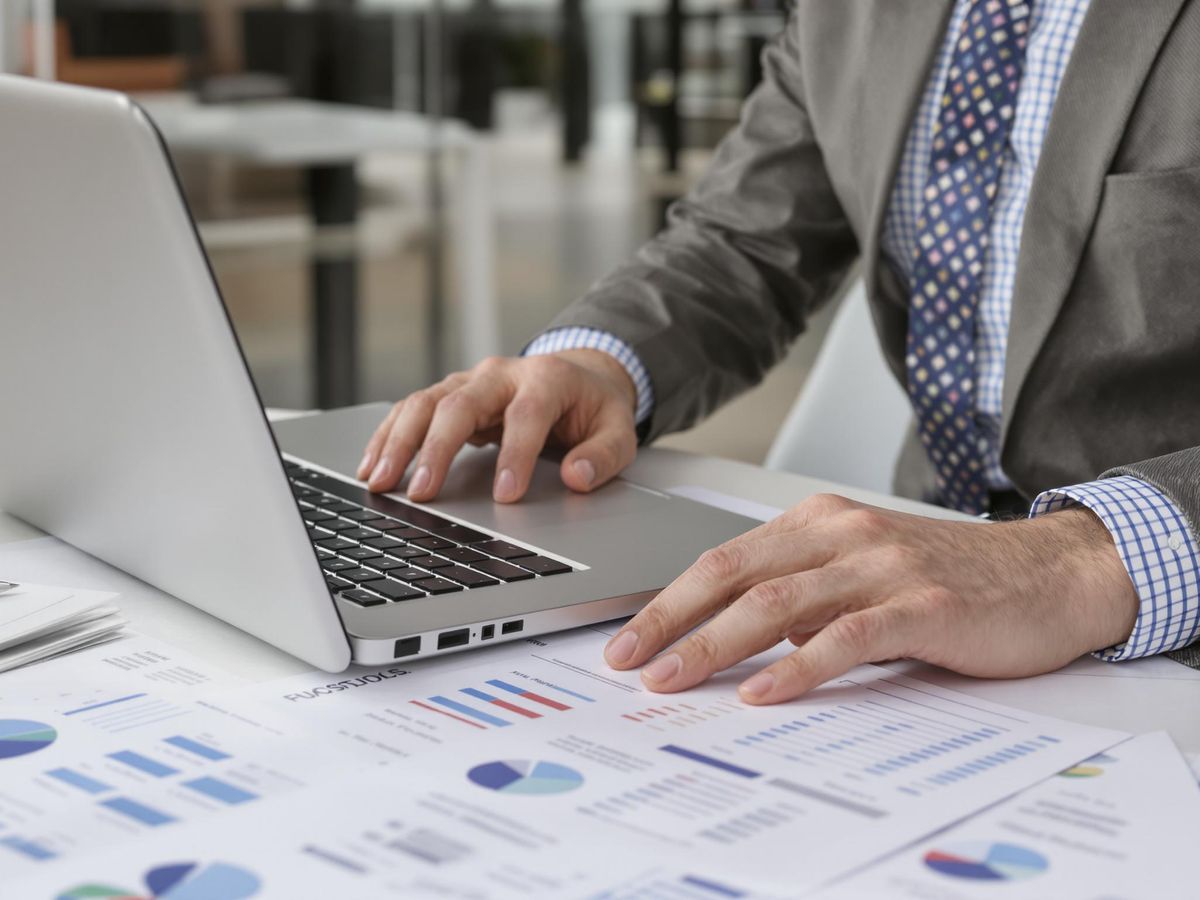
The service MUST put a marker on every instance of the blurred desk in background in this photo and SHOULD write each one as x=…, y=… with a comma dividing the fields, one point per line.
x=328, y=140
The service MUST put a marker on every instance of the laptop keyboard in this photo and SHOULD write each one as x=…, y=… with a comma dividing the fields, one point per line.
x=376, y=550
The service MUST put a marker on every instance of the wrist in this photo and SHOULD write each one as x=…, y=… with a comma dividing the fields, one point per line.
x=1097, y=581
x=606, y=366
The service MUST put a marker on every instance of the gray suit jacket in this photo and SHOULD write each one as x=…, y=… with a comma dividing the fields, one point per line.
x=1103, y=367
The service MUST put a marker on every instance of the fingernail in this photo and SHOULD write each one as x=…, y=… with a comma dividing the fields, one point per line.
x=620, y=649
x=758, y=685
x=506, y=485
x=586, y=471
x=381, y=471
x=364, y=465
x=420, y=481
x=664, y=668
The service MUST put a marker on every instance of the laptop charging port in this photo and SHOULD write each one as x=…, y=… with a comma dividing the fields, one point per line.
x=513, y=627
x=460, y=637
x=487, y=633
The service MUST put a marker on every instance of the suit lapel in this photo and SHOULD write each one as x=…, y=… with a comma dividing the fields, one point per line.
x=1116, y=48
x=905, y=38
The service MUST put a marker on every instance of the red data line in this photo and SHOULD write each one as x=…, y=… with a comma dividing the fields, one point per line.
x=519, y=710
x=442, y=712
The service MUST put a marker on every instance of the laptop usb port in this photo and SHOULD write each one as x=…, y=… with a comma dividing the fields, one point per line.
x=457, y=638
x=487, y=633
x=513, y=627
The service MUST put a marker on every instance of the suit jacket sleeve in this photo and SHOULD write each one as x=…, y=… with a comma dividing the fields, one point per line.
x=1176, y=475
x=714, y=300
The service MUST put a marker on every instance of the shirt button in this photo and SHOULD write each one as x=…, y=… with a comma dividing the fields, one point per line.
x=1175, y=542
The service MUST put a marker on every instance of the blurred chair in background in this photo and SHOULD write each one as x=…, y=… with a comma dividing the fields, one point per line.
x=849, y=421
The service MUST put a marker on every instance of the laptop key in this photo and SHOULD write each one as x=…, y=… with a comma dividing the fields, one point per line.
x=382, y=543
x=338, y=525
x=336, y=544
x=338, y=565
x=432, y=543
x=503, y=550
x=384, y=564
x=358, y=534
x=360, y=576
x=388, y=525
x=324, y=554
x=466, y=576
x=463, y=555
x=438, y=586
x=337, y=584
x=358, y=514
x=462, y=534
x=340, y=506
x=405, y=553
x=313, y=516
x=362, y=598
x=430, y=562
x=360, y=554
x=502, y=570
x=407, y=533
x=409, y=574
x=543, y=566
x=396, y=591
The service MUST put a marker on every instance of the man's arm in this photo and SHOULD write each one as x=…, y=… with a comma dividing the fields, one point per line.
x=714, y=301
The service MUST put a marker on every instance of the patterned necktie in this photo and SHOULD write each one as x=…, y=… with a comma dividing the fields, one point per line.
x=952, y=236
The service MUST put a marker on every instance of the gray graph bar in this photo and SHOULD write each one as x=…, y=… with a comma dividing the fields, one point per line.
x=832, y=799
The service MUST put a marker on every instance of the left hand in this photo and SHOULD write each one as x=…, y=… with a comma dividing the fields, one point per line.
x=849, y=584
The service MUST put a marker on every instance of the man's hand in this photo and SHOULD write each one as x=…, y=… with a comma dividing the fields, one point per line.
x=849, y=584
x=580, y=399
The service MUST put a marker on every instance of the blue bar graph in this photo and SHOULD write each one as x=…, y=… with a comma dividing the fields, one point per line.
x=227, y=793
x=468, y=711
x=84, y=709
x=143, y=764
x=79, y=780
x=710, y=761
x=138, y=812
x=197, y=748
x=27, y=848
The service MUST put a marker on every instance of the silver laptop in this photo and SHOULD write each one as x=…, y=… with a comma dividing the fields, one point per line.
x=132, y=429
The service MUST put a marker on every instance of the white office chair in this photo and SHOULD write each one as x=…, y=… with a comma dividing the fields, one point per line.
x=849, y=421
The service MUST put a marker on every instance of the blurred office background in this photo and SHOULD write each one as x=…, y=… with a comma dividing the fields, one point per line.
x=483, y=162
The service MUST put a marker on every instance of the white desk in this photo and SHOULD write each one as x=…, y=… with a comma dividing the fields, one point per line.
x=1141, y=696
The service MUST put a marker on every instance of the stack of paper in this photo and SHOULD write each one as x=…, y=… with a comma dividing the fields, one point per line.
x=38, y=622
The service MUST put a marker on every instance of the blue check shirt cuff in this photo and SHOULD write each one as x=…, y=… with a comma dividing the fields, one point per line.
x=1159, y=551
x=577, y=338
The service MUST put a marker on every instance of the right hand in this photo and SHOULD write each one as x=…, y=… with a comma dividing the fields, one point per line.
x=582, y=400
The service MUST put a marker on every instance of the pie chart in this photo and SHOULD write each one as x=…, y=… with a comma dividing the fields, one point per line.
x=984, y=861
x=179, y=881
x=21, y=736
x=1089, y=768
x=525, y=776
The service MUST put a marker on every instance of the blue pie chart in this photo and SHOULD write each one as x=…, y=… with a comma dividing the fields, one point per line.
x=985, y=861
x=178, y=881
x=525, y=776
x=21, y=736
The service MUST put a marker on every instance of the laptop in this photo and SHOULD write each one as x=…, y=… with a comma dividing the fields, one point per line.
x=133, y=430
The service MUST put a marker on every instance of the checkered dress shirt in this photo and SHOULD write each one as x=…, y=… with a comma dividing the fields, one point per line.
x=1152, y=536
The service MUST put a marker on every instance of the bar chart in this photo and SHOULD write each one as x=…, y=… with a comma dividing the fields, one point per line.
x=502, y=702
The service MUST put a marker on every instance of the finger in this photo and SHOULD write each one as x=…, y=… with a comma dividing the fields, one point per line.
x=527, y=422
x=755, y=621
x=881, y=632
x=475, y=406
x=603, y=454
x=375, y=444
x=403, y=439
x=712, y=582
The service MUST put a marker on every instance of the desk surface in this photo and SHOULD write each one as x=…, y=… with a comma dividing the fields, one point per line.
x=1145, y=695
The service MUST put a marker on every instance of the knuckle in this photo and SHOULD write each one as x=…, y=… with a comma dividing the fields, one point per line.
x=827, y=504
x=704, y=647
x=548, y=367
x=528, y=405
x=491, y=366
x=867, y=522
x=720, y=564
x=422, y=402
x=857, y=632
x=771, y=601
x=456, y=402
